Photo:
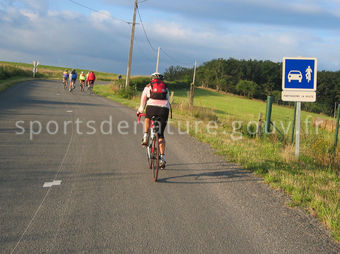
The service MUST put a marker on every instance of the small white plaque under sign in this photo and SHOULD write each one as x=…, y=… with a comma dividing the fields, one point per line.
x=298, y=96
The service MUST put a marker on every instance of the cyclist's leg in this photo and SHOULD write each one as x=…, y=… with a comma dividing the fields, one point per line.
x=161, y=142
x=162, y=145
x=149, y=113
x=164, y=114
x=146, y=125
x=145, y=139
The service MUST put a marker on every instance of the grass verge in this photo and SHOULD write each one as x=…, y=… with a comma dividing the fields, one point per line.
x=49, y=72
x=312, y=182
x=4, y=84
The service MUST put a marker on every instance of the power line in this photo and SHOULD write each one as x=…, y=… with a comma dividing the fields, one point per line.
x=147, y=38
x=176, y=60
x=147, y=56
x=127, y=22
x=102, y=13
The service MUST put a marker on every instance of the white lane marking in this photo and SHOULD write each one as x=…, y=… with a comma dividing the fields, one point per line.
x=69, y=111
x=50, y=184
x=47, y=192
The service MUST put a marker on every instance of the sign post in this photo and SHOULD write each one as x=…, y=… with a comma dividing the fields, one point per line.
x=35, y=70
x=298, y=122
x=299, y=80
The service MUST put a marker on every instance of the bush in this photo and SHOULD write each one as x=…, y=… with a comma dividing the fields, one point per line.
x=7, y=71
x=127, y=92
x=320, y=150
x=139, y=83
x=177, y=85
x=246, y=88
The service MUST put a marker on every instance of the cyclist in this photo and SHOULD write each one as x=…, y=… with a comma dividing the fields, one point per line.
x=65, y=78
x=91, y=78
x=87, y=81
x=73, y=78
x=155, y=97
x=82, y=79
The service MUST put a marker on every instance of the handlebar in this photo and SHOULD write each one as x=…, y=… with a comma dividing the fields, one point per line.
x=139, y=116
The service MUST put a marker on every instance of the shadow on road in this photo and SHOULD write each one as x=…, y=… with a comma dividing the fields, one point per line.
x=208, y=173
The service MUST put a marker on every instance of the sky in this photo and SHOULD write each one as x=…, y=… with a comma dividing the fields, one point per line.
x=96, y=34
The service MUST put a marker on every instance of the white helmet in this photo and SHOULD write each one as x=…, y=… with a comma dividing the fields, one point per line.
x=157, y=75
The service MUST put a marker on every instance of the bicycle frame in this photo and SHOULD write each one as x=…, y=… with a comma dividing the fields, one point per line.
x=152, y=148
x=153, y=128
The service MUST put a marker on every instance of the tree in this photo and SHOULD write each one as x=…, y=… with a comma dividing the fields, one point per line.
x=256, y=79
x=247, y=88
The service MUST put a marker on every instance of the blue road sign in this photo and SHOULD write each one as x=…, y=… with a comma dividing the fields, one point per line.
x=299, y=74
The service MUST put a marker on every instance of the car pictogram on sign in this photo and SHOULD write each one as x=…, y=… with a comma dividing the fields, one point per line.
x=294, y=75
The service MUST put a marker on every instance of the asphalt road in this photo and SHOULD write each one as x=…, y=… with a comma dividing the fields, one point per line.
x=104, y=200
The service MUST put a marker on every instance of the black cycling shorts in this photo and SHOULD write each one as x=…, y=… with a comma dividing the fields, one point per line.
x=159, y=112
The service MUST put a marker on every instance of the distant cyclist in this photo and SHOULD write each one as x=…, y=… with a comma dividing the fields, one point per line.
x=87, y=82
x=73, y=79
x=155, y=97
x=82, y=79
x=65, y=78
x=91, y=78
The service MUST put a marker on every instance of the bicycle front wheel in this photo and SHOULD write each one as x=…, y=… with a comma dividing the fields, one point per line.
x=155, y=158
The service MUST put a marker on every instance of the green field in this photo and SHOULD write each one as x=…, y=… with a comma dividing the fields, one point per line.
x=51, y=72
x=239, y=107
x=13, y=73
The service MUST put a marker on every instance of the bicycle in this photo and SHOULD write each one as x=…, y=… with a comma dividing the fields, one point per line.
x=152, y=149
x=65, y=83
x=90, y=86
x=82, y=85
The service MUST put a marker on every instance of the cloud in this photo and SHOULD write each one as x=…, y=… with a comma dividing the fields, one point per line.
x=64, y=35
x=303, y=13
x=184, y=31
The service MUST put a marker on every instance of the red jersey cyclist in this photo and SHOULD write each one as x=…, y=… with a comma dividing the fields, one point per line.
x=155, y=97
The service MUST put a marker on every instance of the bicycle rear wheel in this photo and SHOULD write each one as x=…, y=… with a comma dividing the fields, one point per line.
x=155, y=158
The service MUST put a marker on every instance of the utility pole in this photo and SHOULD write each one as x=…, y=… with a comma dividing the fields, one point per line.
x=159, y=48
x=128, y=73
x=192, y=87
x=194, y=77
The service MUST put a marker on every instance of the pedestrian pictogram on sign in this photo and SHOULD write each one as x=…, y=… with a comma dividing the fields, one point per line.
x=309, y=74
